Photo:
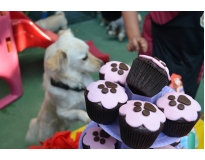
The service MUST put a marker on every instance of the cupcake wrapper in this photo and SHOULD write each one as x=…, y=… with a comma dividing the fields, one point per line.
x=100, y=114
x=134, y=139
x=175, y=144
x=114, y=131
x=146, y=79
x=102, y=77
x=132, y=96
x=88, y=147
x=85, y=146
x=178, y=129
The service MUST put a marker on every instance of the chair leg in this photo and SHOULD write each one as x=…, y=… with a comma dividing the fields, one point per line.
x=13, y=78
x=9, y=65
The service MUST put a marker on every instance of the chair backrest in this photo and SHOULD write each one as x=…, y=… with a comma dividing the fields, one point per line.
x=9, y=65
x=7, y=43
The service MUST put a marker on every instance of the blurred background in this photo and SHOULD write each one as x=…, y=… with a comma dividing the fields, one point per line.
x=14, y=118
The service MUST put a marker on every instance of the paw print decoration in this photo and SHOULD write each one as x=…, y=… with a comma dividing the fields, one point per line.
x=122, y=67
x=100, y=137
x=176, y=105
x=105, y=88
x=183, y=100
x=146, y=110
x=141, y=113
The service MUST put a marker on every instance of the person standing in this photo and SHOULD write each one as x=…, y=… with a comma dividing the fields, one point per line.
x=175, y=37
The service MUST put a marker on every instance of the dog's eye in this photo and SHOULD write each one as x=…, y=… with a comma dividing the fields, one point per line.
x=86, y=57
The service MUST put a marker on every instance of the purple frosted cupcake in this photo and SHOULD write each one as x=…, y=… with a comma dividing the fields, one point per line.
x=114, y=71
x=140, y=123
x=147, y=76
x=181, y=111
x=97, y=138
x=103, y=100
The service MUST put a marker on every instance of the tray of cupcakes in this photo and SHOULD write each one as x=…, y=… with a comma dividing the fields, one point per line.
x=133, y=108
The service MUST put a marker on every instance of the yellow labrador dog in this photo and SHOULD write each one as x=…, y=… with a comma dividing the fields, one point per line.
x=67, y=65
x=54, y=22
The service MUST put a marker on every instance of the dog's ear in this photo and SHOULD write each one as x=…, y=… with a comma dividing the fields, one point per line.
x=54, y=62
x=67, y=32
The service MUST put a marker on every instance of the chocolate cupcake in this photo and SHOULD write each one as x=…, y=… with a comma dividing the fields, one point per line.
x=103, y=100
x=97, y=138
x=140, y=123
x=147, y=76
x=181, y=111
x=114, y=71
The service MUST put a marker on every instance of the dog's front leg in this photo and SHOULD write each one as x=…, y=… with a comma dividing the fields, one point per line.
x=72, y=115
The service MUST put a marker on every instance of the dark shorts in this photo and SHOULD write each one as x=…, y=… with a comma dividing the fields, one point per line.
x=180, y=44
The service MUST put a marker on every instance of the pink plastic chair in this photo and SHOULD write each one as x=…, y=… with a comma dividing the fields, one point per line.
x=9, y=64
x=18, y=32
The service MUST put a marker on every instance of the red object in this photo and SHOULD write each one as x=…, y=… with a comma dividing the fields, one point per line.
x=9, y=64
x=97, y=53
x=27, y=34
x=163, y=17
x=200, y=73
x=147, y=34
x=60, y=140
